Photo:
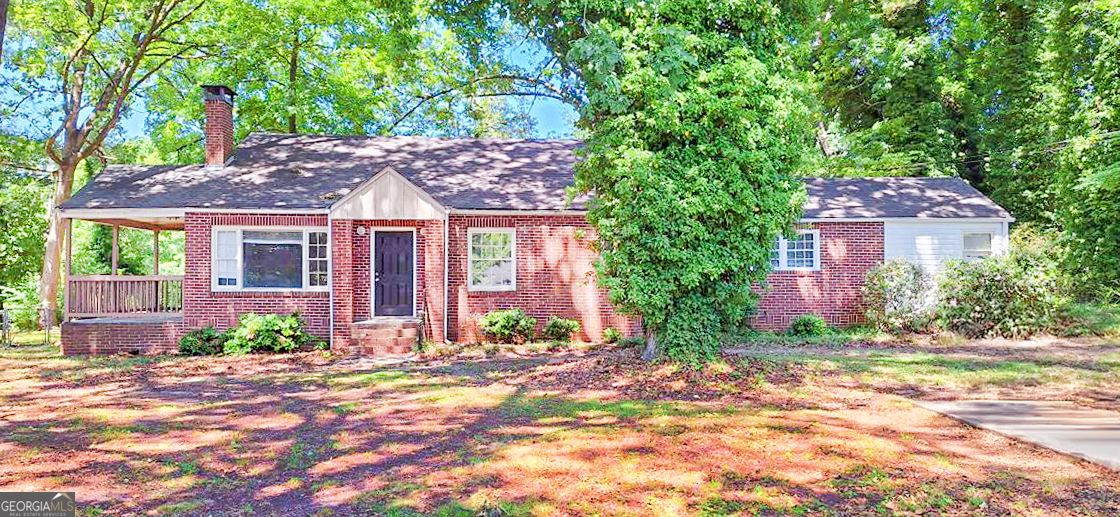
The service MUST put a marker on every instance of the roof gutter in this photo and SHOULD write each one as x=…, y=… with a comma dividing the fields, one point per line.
x=907, y=219
x=506, y=211
x=127, y=213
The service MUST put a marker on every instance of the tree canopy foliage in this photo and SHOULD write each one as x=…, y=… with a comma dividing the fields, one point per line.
x=353, y=68
x=1020, y=97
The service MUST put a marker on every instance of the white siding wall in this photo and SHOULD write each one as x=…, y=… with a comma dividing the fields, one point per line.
x=389, y=196
x=929, y=243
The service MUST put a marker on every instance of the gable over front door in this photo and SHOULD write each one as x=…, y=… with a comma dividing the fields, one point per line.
x=393, y=273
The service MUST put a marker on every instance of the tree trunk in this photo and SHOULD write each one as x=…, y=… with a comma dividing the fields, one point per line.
x=52, y=258
x=293, y=69
x=823, y=140
x=3, y=24
x=650, y=352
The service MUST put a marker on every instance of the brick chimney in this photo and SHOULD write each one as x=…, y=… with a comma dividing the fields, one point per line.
x=219, y=124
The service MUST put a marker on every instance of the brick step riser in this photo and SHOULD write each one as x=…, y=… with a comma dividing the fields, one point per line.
x=386, y=346
x=411, y=333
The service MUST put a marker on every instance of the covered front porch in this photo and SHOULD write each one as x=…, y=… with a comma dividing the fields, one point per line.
x=115, y=312
x=115, y=295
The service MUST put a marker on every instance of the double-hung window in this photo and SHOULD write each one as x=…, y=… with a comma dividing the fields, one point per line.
x=801, y=253
x=977, y=245
x=269, y=259
x=492, y=259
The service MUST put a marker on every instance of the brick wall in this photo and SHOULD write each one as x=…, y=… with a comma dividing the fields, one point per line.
x=202, y=308
x=351, y=275
x=98, y=337
x=848, y=251
x=555, y=276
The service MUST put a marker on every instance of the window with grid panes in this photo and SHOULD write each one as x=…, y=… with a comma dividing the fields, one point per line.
x=269, y=259
x=799, y=253
x=492, y=259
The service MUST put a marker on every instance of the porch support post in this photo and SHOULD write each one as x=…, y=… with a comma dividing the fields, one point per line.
x=116, y=248
x=68, y=227
x=155, y=252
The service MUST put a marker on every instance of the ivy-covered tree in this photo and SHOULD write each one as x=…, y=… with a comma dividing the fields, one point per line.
x=1085, y=45
x=1019, y=97
x=693, y=127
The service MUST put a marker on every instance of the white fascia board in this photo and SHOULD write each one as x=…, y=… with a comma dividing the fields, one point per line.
x=120, y=213
x=475, y=211
x=907, y=219
x=148, y=213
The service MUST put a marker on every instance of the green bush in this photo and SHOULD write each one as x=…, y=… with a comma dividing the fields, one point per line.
x=203, y=341
x=266, y=333
x=560, y=329
x=898, y=296
x=1091, y=319
x=632, y=342
x=21, y=301
x=611, y=335
x=808, y=325
x=507, y=326
x=1014, y=295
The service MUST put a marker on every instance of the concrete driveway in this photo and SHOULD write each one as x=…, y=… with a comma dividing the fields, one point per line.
x=1090, y=434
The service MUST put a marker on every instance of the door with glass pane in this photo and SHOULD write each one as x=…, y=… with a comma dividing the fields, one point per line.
x=392, y=273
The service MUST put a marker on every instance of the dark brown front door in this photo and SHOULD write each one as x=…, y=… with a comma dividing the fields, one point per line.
x=392, y=274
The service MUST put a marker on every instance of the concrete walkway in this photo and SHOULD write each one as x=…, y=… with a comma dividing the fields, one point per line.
x=1090, y=434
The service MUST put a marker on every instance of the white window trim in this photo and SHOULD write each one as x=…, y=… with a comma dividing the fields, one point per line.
x=782, y=255
x=991, y=244
x=471, y=232
x=240, y=287
x=373, y=266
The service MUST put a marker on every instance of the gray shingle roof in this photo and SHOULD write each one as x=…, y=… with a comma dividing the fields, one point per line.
x=303, y=171
x=874, y=198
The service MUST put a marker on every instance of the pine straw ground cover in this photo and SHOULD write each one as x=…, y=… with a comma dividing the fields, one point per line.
x=588, y=433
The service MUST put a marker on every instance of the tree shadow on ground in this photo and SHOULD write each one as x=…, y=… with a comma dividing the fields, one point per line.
x=269, y=436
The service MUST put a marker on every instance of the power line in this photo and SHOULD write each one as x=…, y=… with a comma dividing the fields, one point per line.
x=977, y=158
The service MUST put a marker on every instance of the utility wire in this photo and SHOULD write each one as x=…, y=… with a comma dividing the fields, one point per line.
x=977, y=158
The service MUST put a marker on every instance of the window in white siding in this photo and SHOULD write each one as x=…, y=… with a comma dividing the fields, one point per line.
x=977, y=245
x=493, y=259
x=270, y=259
x=799, y=254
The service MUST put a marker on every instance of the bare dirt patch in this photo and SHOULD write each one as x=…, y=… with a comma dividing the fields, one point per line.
x=596, y=433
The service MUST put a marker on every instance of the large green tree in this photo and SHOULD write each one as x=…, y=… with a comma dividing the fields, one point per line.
x=24, y=190
x=82, y=64
x=890, y=86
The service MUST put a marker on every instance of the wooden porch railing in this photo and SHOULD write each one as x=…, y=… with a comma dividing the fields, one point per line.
x=99, y=296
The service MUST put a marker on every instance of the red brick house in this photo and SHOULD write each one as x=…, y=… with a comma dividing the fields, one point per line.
x=374, y=240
